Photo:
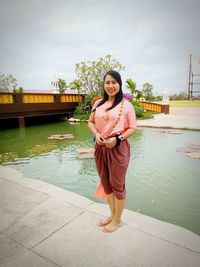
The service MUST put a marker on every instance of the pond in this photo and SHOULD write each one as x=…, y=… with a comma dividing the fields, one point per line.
x=161, y=182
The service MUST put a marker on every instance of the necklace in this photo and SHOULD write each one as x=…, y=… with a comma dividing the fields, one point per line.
x=106, y=113
x=106, y=116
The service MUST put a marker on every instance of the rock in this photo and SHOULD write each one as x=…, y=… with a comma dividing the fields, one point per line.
x=61, y=136
x=85, y=153
x=185, y=149
x=195, y=155
x=86, y=156
x=165, y=132
x=195, y=145
x=85, y=150
x=71, y=119
x=74, y=120
x=174, y=132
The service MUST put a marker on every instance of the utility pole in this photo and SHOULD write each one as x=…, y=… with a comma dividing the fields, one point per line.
x=191, y=81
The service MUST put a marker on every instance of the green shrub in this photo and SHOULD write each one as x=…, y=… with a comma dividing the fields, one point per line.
x=21, y=90
x=81, y=116
x=138, y=111
x=138, y=108
x=136, y=103
x=84, y=107
x=147, y=115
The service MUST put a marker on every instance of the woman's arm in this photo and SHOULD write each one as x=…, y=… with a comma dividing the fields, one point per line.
x=132, y=122
x=91, y=124
x=111, y=142
x=128, y=133
x=92, y=127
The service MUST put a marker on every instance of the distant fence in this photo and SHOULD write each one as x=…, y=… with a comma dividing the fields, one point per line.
x=155, y=107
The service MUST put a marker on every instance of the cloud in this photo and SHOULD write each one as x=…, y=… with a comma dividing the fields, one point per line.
x=42, y=40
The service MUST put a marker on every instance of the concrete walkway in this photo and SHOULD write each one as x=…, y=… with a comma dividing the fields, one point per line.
x=178, y=118
x=43, y=225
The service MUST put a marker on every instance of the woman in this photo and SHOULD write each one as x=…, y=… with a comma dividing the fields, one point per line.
x=112, y=121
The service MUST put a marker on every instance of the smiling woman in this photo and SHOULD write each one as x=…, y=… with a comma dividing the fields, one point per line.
x=112, y=121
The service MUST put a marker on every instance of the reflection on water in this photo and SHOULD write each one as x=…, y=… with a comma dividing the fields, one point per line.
x=161, y=182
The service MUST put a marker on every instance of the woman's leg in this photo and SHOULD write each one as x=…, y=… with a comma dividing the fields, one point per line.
x=116, y=221
x=118, y=164
x=111, y=202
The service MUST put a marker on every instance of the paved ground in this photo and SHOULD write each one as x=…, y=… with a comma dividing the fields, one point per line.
x=193, y=112
x=43, y=225
x=178, y=118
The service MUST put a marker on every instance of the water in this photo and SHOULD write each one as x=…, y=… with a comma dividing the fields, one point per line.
x=161, y=182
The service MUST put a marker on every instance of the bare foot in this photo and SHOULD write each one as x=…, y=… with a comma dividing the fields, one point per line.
x=104, y=222
x=111, y=227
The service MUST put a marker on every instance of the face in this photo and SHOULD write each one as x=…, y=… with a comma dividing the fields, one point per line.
x=111, y=86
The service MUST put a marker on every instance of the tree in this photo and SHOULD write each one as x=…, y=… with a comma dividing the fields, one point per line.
x=179, y=96
x=91, y=73
x=76, y=85
x=62, y=86
x=7, y=83
x=132, y=86
x=147, y=90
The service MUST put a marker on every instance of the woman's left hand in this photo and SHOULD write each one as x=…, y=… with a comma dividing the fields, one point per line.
x=111, y=142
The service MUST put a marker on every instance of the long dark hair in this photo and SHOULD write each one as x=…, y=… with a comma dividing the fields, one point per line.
x=119, y=95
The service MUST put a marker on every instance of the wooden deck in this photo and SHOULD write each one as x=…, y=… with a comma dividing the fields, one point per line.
x=37, y=104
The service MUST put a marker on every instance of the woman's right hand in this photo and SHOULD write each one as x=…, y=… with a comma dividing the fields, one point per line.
x=99, y=139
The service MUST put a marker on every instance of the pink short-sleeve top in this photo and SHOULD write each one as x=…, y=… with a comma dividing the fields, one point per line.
x=109, y=127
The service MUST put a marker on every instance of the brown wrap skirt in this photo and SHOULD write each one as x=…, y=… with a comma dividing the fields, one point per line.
x=112, y=165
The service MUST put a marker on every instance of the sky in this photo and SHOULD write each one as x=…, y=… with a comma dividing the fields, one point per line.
x=42, y=40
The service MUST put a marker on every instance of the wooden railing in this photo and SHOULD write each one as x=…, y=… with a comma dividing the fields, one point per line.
x=6, y=98
x=9, y=98
x=35, y=98
x=155, y=107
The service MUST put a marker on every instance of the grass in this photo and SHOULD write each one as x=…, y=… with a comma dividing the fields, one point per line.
x=184, y=103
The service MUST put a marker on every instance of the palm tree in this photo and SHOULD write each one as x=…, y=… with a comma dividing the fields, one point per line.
x=132, y=86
